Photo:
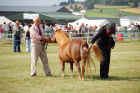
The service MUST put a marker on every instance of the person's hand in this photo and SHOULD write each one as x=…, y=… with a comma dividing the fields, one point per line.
x=46, y=40
x=43, y=39
x=89, y=47
x=113, y=47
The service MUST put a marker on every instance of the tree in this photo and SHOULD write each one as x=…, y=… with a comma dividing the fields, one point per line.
x=63, y=3
x=71, y=2
x=76, y=8
x=89, y=4
x=135, y=3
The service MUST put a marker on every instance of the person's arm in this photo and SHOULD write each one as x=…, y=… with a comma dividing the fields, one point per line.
x=26, y=33
x=14, y=31
x=48, y=40
x=95, y=38
x=8, y=28
x=21, y=29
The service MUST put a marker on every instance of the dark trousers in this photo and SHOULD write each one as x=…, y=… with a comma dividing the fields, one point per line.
x=104, y=65
x=9, y=34
x=16, y=45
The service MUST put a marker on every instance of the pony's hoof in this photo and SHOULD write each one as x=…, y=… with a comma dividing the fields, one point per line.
x=63, y=75
x=83, y=79
x=79, y=79
x=71, y=76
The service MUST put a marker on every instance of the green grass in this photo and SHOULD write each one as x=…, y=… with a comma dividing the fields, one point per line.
x=110, y=6
x=15, y=72
x=112, y=12
x=108, y=11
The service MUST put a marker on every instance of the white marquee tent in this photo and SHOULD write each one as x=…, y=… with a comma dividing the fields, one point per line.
x=5, y=19
x=98, y=23
x=79, y=21
x=128, y=20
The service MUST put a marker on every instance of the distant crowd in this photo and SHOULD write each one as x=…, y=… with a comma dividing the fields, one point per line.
x=78, y=28
x=132, y=27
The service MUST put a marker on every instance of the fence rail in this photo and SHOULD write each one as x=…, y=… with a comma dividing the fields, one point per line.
x=120, y=35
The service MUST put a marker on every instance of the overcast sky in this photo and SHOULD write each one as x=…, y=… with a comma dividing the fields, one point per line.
x=31, y=2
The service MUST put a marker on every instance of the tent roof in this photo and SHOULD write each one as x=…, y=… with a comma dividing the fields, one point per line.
x=54, y=16
x=60, y=15
x=98, y=23
x=33, y=8
x=4, y=19
x=131, y=17
x=80, y=21
x=19, y=16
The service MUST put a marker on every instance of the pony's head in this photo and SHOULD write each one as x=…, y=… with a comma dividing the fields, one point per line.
x=61, y=36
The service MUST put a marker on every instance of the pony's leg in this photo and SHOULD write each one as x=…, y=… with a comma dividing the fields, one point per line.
x=63, y=68
x=79, y=69
x=71, y=68
x=83, y=68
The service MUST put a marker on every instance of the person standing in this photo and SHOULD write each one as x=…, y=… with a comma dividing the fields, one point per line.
x=9, y=30
x=37, y=48
x=1, y=32
x=17, y=30
x=4, y=26
x=106, y=41
x=27, y=38
x=25, y=27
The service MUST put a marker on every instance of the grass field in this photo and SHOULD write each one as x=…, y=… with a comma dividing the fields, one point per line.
x=132, y=10
x=108, y=12
x=110, y=6
x=15, y=72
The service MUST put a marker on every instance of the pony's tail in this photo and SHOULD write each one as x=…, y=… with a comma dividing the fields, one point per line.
x=89, y=58
x=97, y=52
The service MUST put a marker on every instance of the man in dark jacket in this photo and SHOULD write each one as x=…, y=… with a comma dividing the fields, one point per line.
x=17, y=30
x=105, y=41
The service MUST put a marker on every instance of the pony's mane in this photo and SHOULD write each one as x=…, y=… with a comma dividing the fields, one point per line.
x=62, y=37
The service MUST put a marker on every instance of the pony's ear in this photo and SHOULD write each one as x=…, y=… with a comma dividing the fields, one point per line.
x=57, y=30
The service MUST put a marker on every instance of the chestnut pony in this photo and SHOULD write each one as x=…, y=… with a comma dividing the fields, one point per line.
x=73, y=51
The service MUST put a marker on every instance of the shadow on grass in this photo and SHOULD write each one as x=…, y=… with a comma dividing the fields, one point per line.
x=97, y=77
x=56, y=76
x=115, y=78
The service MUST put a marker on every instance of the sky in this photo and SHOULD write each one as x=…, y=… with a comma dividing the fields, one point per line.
x=31, y=2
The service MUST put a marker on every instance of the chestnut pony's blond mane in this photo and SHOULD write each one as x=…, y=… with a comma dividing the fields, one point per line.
x=62, y=37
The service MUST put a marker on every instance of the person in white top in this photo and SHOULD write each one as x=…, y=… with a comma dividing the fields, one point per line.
x=25, y=27
x=5, y=26
x=77, y=27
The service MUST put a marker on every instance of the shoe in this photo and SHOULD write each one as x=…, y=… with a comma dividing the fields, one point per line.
x=49, y=75
x=34, y=75
x=105, y=77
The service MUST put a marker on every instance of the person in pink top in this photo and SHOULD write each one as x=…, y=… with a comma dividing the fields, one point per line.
x=37, y=48
x=1, y=32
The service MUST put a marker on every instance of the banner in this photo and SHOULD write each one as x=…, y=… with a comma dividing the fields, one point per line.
x=29, y=16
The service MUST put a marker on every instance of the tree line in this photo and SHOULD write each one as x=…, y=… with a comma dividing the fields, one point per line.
x=89, y=4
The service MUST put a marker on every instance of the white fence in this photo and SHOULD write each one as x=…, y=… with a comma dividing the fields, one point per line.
x=121, y=35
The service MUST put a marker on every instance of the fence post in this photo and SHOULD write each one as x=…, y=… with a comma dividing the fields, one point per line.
x=88, y=36
x=70, y=35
